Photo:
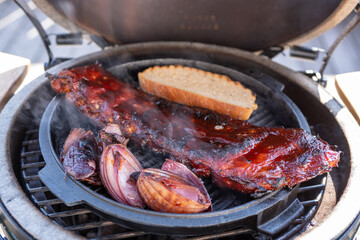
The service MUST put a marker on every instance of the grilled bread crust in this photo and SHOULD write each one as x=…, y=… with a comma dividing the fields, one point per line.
x=198, y=88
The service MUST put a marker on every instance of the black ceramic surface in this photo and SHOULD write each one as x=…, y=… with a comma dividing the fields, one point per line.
x=231, y=208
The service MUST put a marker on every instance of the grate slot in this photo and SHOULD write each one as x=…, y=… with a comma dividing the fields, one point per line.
x=69, y=213
x=255, y=118
x=32, y=165
x=30, y=142
x=31, y=153
x=311, y=188
x=221, y=235
x=121, y=236
x=90, y=225
x=265, y=121
x=32, y=131
x=263, y=118
x=39, y=189
x=30, y=178
x=49, y=202
x=310, y=203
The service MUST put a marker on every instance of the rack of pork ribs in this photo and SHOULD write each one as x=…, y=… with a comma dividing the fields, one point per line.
x=233, y=153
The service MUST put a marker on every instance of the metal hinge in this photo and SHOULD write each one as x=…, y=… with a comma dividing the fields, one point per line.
x=271, y=52
x=312, y=53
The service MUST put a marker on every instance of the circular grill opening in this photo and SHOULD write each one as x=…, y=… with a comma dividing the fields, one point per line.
x=274, y=109
x=23, y=139
x=239, y=209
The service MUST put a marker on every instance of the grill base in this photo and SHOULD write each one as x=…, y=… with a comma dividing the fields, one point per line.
x=269, y=214
x=331, y=121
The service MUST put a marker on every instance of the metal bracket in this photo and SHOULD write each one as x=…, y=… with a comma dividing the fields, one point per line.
x=69, y=39
x=271, y=52
x=101, y=42
x=309, y=54
x=316, y=76
x=305, y=52
x=312, y=53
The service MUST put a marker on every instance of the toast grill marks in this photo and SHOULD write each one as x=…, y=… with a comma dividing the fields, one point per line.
x=234, y=153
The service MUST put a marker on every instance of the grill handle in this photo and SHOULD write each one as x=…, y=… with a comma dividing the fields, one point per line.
x=61, y=184
x=63, y=189
x=283, y=220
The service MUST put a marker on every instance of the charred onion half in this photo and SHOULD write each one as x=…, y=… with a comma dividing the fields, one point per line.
x=117, y=163
x=166, y=191
x=80, y=155
x=183, y=171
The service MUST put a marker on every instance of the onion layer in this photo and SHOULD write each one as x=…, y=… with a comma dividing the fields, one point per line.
x=168, y=192
x=117, y=163
x=183, y=171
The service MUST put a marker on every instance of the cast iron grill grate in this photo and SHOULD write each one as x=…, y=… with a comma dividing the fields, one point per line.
x=83, y=222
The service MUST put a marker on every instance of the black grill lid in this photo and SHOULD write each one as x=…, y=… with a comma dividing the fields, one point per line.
x=248, y=25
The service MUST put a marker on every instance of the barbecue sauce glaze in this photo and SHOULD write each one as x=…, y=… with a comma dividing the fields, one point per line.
x=234, y=153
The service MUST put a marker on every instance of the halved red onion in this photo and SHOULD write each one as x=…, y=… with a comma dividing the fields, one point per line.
x=117, y=163
x=75, y=134
x=168, y=192
x=181, y=170
x=80, y=156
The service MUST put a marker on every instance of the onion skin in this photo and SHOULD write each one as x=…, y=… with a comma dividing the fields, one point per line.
x=75, y=135
x=80, y=156
x=183, y=171
x=168, y=192
x=117, y=163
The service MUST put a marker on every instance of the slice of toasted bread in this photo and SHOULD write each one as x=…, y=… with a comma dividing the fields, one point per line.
x=198, y=88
